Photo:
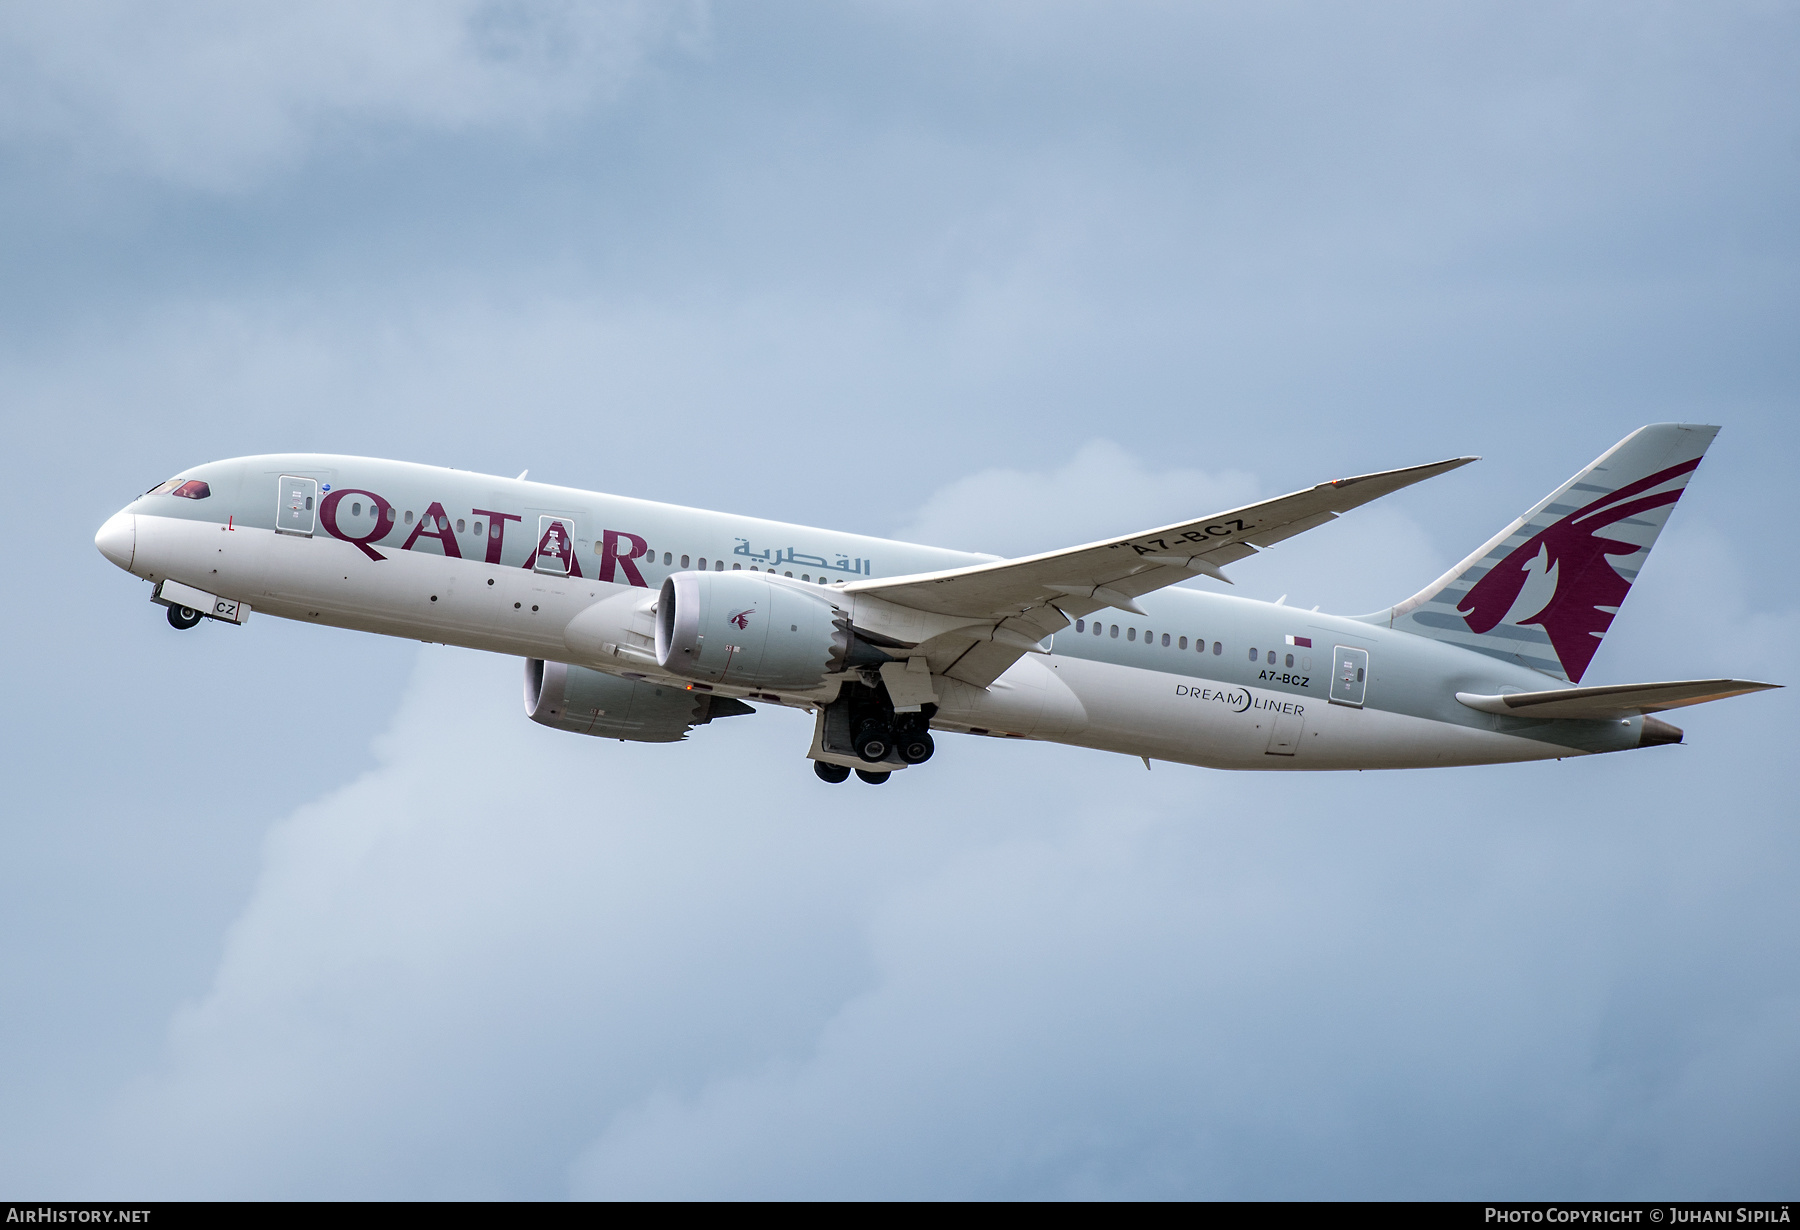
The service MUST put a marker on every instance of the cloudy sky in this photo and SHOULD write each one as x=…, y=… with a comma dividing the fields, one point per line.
x=293, y=912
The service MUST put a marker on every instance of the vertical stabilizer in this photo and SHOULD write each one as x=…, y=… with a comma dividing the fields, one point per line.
x=1545, y=589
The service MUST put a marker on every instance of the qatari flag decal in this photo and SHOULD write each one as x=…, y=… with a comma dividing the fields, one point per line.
x=1303, y=642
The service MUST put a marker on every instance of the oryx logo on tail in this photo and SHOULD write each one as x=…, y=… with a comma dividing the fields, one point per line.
x=1588, y=589
x=1544, y=590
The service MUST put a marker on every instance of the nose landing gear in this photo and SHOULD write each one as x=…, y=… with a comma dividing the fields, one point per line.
x=183, y=617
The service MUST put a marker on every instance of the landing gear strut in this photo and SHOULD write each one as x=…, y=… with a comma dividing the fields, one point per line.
x=183, y=617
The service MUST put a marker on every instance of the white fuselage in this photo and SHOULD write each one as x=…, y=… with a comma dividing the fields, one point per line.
x=1135, y=684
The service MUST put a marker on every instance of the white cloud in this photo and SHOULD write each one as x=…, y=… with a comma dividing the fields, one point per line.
x=1374, y=557
x=214, y=94
x=1099, y=492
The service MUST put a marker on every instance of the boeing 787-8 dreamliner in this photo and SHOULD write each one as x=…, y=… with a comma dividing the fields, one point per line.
x=641, y=621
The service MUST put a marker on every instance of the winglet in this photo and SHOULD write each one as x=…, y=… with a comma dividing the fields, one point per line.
x=1421, y=473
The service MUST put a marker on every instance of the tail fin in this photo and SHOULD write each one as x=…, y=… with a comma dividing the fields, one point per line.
x=1545, y=589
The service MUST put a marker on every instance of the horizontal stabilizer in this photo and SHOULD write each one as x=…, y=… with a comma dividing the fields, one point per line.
x=1622, y=700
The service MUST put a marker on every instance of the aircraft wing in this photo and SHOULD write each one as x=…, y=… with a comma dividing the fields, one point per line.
x=1013, y=604
x=1620, y=700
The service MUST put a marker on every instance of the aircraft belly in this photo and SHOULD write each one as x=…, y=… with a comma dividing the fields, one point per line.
x=1227, y=726
x=1028, y=699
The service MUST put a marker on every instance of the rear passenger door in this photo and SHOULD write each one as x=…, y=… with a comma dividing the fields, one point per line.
x=1349, y=675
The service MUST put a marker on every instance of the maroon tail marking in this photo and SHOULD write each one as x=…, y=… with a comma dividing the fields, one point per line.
x=1585, y=581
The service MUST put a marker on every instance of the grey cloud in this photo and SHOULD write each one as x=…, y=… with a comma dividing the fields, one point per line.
x=508, y=962
x=888, y=267
x=216, y=96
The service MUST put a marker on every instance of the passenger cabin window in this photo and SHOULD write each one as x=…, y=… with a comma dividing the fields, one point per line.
x=1271, y=657
x=684, y=561
x=1290, y=659
x=409, y=516
x=1080, y=625
x=478, y=529
x=356, y=509
x=1131, y=634
x=1115, y=632
x=460, y=526
x=702, y=563
x=667, y=559
x=1218, y=648
x=1166, y=641
x=1182, y=644
x=1253, y=653
x=718, y=565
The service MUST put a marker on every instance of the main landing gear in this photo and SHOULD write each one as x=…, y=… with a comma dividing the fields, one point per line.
x=183, y=617
x=878, y=730
x=835, y=773
x=907, y=735
x=862, y=721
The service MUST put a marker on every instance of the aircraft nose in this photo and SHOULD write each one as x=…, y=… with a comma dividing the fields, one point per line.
x=117, y=539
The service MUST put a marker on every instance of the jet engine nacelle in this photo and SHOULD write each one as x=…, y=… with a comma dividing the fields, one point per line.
x=594, y=703
x=750, y=629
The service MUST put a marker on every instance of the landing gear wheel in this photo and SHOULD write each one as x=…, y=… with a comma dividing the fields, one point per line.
x=874, y=779
x=872, y=742
x=183, y=617
x=833, y=773
x=916, y=747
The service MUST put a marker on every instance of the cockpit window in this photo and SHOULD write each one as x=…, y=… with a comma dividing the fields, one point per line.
x=192, y=489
